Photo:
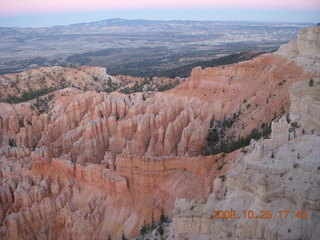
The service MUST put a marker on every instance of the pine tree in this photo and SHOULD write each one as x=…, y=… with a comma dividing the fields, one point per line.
x=162, y=216
x=123, y=236
x=153, y=225
x=311, y=82
x=143, y=230
x=117, y=116
x=294, y=126
x=160, y=230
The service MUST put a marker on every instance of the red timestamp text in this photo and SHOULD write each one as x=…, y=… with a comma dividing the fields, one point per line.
x=263, y=214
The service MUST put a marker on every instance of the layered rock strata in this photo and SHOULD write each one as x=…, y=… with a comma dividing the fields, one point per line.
x=91, y=164
x=276, y=175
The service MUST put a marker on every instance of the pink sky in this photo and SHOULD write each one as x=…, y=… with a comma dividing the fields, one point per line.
x=12, y=7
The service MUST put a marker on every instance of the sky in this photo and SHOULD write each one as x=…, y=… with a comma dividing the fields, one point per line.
x=44, y=13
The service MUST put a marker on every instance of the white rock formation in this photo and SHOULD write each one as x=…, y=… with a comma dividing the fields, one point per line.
x=305, y=108
x=305, y=50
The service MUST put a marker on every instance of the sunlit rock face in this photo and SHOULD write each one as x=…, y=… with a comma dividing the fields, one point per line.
x=276, y=175
x=81, y=164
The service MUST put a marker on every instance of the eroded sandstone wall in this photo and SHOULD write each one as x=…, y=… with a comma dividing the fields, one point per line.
x=92, y=164
x=277, y=174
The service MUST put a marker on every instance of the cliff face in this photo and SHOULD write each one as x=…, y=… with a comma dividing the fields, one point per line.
x=82, y=165
x=305, y=107
x=77, y=143
x=304, y=50
x=275, y=175
x=255, y=91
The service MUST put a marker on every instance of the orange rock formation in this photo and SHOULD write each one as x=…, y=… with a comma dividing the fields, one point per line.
x=92, y=164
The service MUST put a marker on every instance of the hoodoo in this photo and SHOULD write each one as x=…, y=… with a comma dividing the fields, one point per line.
x=78, y=162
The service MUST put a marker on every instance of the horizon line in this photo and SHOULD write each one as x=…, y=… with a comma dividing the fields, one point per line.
x=172, y=20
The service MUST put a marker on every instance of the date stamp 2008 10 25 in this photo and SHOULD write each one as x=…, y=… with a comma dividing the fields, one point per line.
x=263, y=214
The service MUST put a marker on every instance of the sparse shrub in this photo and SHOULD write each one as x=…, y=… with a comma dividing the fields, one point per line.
x=117, y=116
x=123, y=236
x=160, y=230
x=272, y=155
x=149, y=227
x=213, y=135
x=294, y=126
x=12, y=142
x=143, y=229
x=266, y=129
x=21, y=123
x=223, y=178
x=311, y=82
x=153, y=225
x=126, y=90
x=162, y=216
x=217, y=136
x=228, y=122
x=32, y=94
x=255, y=134
x=221, y=166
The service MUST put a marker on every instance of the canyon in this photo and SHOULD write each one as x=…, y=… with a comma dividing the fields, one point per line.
x=83, y=163
x=275, y=175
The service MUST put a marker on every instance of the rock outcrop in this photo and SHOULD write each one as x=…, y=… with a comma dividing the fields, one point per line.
x=305, y=107
x=305, y=50
x=278, y=174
